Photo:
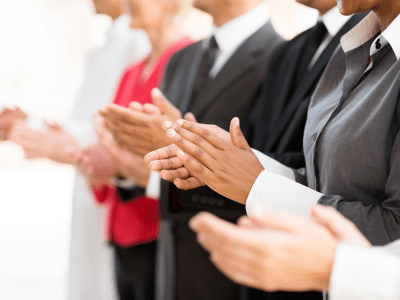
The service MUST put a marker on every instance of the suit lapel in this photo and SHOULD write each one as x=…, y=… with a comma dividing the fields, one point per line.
x=240, y=63
x=312, y=77
x=184, y=102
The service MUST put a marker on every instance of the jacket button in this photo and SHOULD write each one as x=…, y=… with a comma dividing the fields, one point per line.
x=196, y=198
x=212, y=201
x=203, y=200
x=220, y=202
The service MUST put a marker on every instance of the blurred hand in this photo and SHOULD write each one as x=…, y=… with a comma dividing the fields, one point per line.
x=129, y=164
x=228, y=167
x=272, y=251
x=342, y=229
x=7, y=118
x=96, y=164
x=139, y=128
x=55, y=143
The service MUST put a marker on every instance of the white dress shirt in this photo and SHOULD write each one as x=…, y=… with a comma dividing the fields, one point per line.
x=229, y=37
x=275, y=186
x=333, y=21
x=366, y=273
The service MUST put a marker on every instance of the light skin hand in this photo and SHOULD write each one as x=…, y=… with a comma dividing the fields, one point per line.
x=55, y=143
x=7, y=119
x=272, y=251
x=229, y=168
x=342, y=229
x=96, y=164
x=138, y=128
x=129, y=164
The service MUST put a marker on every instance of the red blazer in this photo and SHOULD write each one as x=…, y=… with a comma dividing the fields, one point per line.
x=137, y=221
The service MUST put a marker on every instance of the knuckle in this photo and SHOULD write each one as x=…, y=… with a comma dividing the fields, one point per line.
x=200, y=168
x=197, y=139
x=189, y=125
x=199, y=152
x=206, y=132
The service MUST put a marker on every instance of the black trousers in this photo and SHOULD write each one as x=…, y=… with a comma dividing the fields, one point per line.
x=134, y=267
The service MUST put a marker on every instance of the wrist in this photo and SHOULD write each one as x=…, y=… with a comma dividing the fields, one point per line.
x=323, y=279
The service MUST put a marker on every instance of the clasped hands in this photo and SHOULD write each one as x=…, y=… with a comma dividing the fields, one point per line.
x=206, y=154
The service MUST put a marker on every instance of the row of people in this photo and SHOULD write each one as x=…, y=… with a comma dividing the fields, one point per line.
x=336, y=111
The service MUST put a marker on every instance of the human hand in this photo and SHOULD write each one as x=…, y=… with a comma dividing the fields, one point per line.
x=55, y=143
x=129, y=164
x=7, y=119
x=228, y=167
x=271, y=251
x=96, y=164
x=138, y=128
x=166, y=162
x=341, y=228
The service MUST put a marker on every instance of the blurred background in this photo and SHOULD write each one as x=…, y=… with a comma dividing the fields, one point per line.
x=45, y=43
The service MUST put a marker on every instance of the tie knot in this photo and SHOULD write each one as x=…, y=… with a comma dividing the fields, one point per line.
x=212, y=44
x=319, y=32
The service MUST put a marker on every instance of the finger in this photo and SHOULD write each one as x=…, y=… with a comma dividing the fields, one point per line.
x=171, y=175
x=136, y=106
x=162, y=153
x=246, y=222
x=200, y=131
x=234, y=273
x=162, y=103
x=333, y=220
x=172, y=163
x=190, y=117
x=151, y=109
x=237, y=136
x=189, y=183
x=126, y=115
x=197, y=168
x=279, y=220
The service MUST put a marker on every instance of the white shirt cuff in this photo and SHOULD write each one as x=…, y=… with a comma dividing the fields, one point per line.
x=281, y=193
x=153, y=186
x=36, y=123
x=274, y=166
x=365, y=274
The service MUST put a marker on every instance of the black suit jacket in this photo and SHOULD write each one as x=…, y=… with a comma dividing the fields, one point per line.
x=277, y=120
x=229, y=94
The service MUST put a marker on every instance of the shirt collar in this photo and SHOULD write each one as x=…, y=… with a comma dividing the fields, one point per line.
x=232, y=34
x=334, y=21
x=119, y=24
x=367, y=29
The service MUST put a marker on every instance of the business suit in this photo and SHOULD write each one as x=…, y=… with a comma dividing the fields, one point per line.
x=227, y=95
x=276, y=122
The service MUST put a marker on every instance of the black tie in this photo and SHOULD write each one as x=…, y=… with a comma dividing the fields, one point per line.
x=206, y=65
x=313, y=42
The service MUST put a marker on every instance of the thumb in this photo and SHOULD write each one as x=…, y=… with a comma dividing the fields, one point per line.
x=54, y=126
x=237, y=136
x=190, y=117
x=164, y=105
x=276, y=219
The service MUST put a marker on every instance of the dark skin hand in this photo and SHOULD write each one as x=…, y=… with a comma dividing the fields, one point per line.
x=229, y=168
x=139, y=128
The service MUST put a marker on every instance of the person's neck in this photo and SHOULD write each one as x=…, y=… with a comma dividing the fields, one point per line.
x=387, y=12
x=115, y=14
x=232, y=12
x=161, y=37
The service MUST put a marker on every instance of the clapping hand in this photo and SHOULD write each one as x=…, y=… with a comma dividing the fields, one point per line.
x=225, y=162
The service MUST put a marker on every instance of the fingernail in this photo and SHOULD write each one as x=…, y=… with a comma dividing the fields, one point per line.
x=172, y=132
x=237, y=122
x=168, y=125
x=179, y=122
x=156, y=92
x=181, y=153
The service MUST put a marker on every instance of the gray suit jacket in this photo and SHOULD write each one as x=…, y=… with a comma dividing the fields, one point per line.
x=228, y=95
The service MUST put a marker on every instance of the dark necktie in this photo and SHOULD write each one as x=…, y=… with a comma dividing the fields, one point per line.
x=205, y=67
x=313, y=42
